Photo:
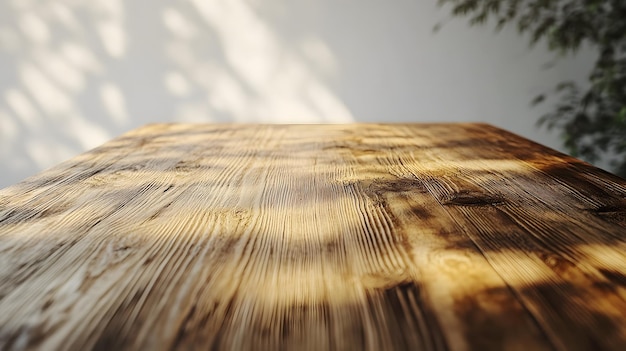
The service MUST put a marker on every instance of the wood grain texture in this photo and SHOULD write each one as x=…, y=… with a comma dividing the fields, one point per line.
x=421, y=237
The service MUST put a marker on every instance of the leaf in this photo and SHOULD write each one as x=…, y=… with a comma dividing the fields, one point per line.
x=622, y=115
x=538, y=99
x=566, y=85
x=501, y=23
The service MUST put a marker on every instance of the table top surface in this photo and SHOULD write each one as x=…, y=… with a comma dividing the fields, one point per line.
x=364, y=236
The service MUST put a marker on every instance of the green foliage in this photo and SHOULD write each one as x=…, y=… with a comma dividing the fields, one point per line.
x=592, y=122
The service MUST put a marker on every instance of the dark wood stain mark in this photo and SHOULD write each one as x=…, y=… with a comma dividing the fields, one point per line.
x=613, y=213
x=399, y=185
x=159, y=212
x=20, y=214
x=614, y=277
x=473, y=198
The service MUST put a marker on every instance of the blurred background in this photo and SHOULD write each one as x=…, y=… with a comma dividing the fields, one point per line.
x=74, y=74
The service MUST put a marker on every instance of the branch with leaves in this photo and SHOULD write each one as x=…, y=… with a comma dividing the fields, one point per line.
x=592, y=121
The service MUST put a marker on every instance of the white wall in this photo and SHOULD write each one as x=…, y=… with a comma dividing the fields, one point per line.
x=74, y=74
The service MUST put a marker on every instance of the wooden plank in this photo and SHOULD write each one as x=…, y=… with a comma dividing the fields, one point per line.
x=423, y=237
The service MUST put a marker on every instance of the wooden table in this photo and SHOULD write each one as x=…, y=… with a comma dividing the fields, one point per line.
x=416, y=236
